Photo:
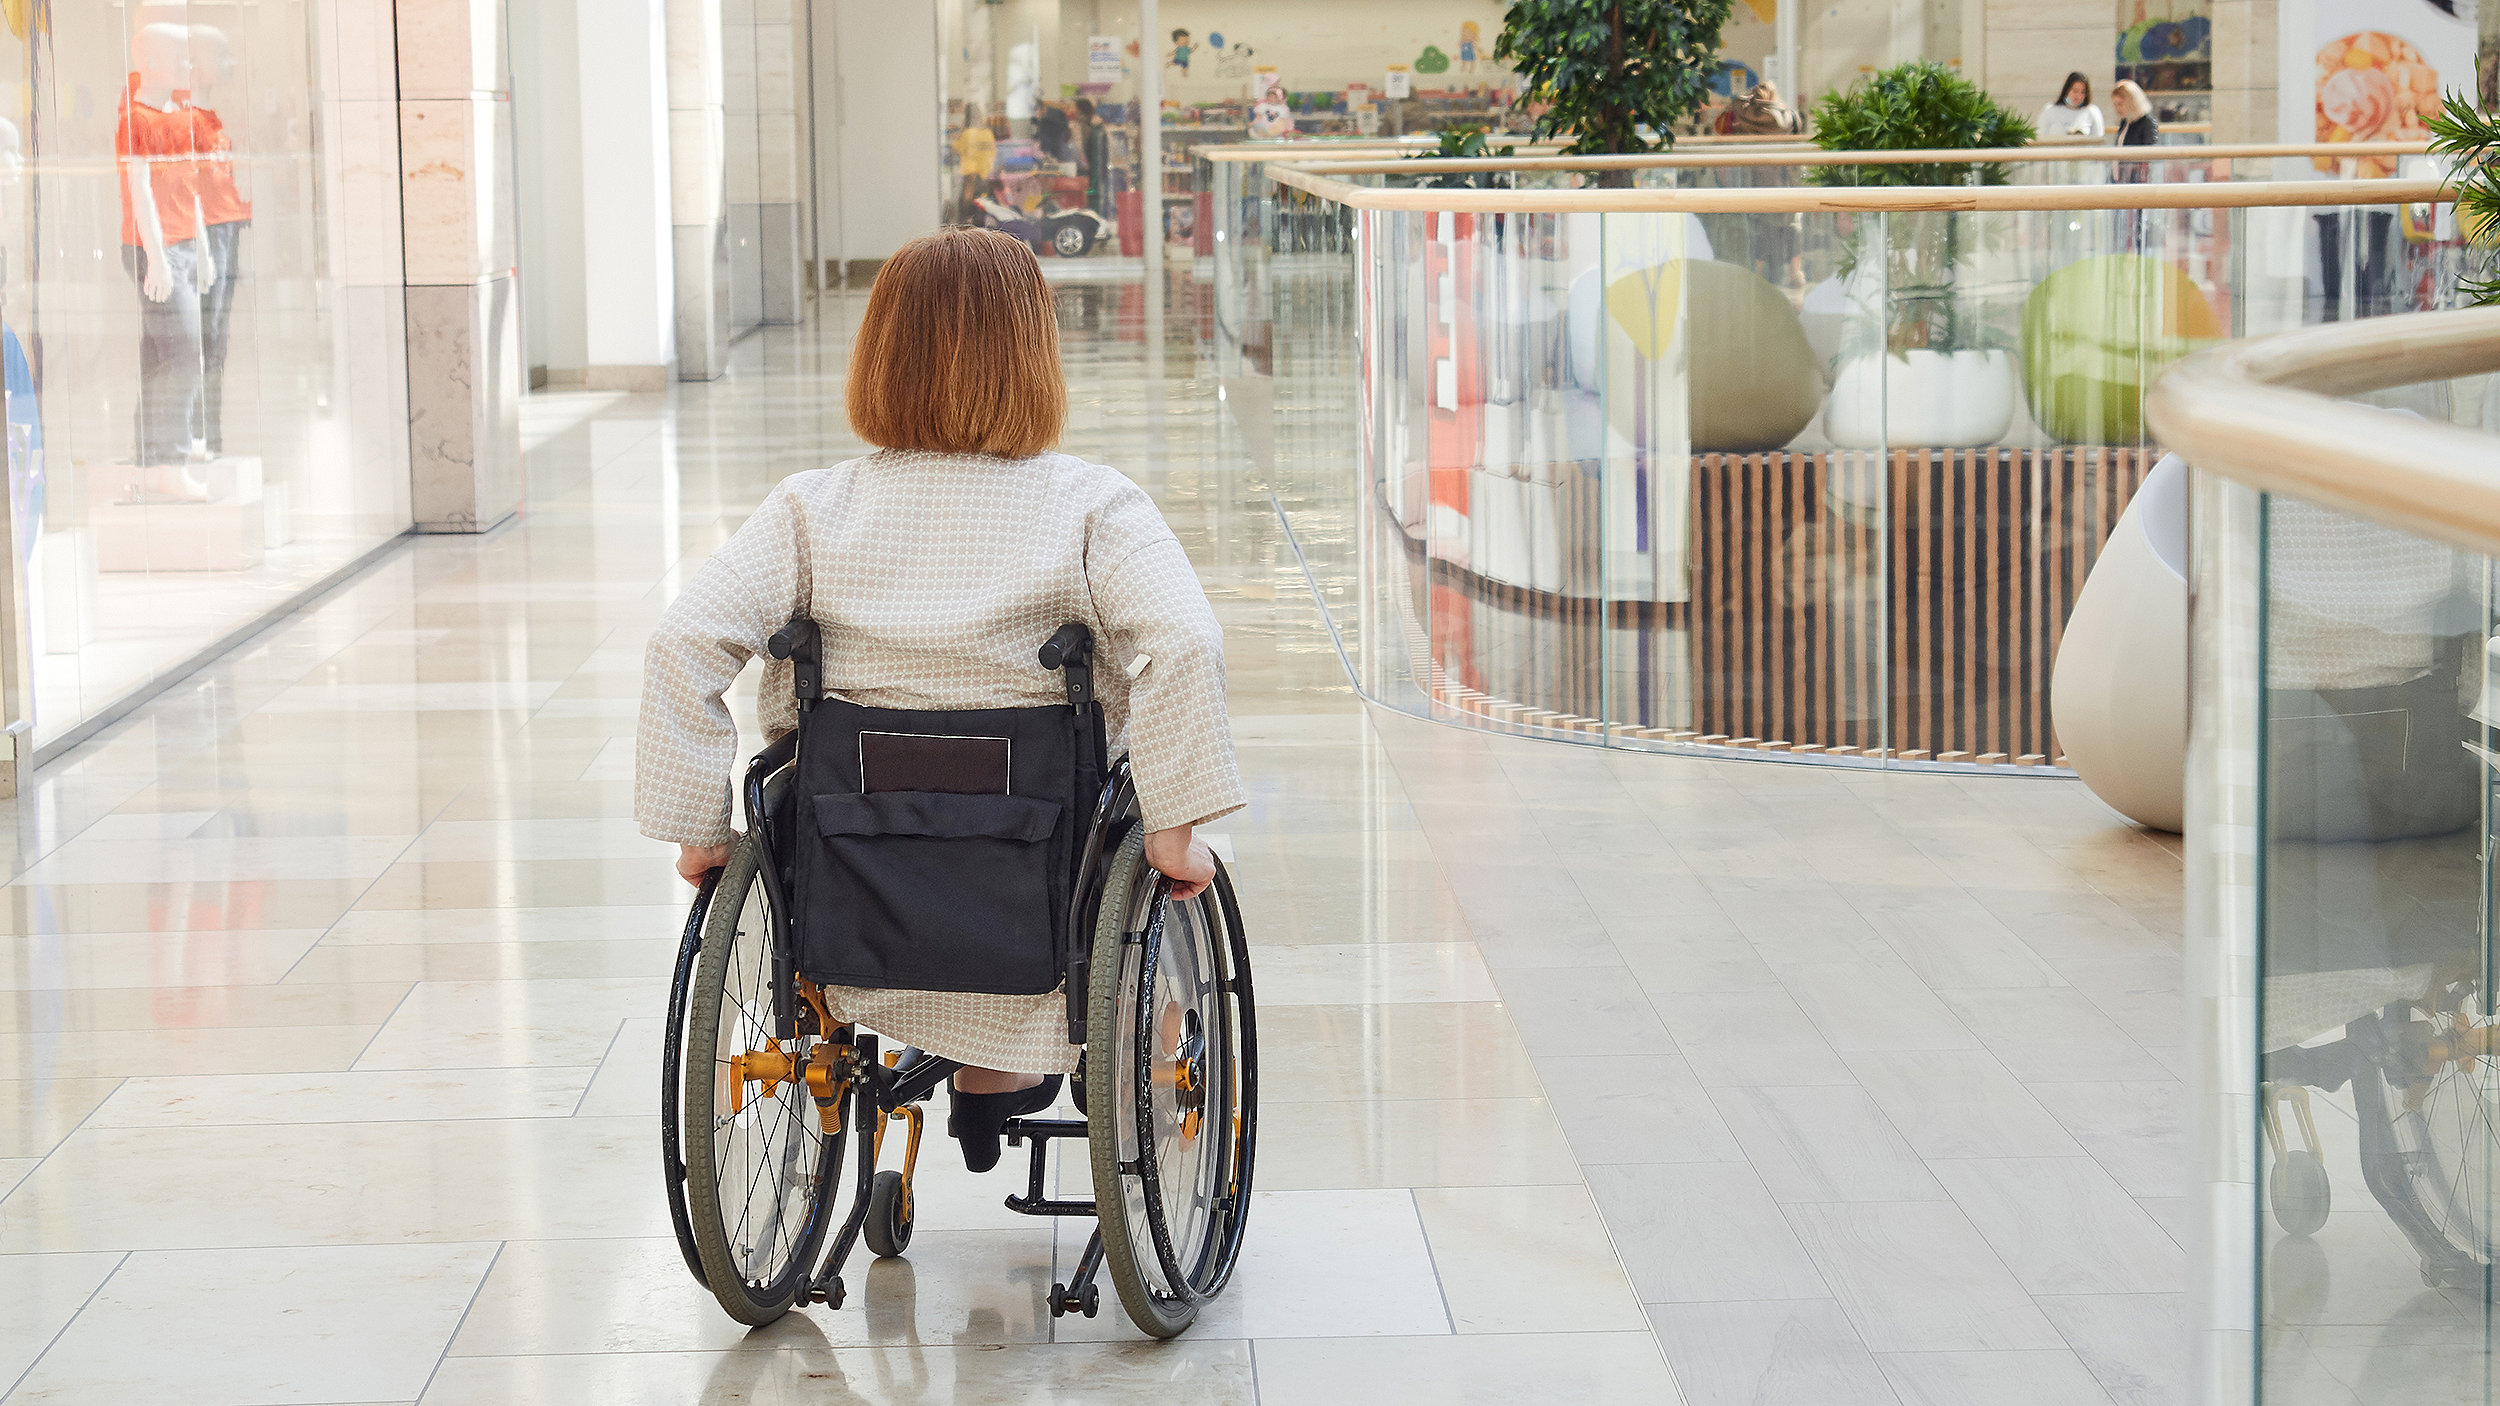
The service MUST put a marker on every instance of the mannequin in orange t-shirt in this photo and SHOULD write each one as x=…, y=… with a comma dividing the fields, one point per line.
x=224, y=215
x=159, y=157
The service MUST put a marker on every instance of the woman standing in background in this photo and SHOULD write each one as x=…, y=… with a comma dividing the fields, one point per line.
x=2137, y=126
x=2073, y=114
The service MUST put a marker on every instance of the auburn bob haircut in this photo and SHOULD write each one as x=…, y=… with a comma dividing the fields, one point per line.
x=959, y=351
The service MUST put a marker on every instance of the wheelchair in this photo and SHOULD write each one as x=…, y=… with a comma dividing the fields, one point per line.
x=762, y=1089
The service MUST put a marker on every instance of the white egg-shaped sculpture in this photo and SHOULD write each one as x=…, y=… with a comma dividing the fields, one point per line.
x=2118, y=693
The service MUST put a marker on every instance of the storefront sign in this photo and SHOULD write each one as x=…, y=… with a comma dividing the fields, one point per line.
x=1401, y=82
x=1102, y=59
x=2380, y=69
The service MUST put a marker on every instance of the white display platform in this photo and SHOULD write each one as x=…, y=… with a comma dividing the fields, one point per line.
x=228, y=532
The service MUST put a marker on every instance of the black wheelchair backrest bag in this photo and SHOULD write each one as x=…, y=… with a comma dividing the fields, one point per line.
x=935, y=851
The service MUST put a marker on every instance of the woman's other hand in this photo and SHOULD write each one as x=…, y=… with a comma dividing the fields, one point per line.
x=694, y=861
x=1180, y=856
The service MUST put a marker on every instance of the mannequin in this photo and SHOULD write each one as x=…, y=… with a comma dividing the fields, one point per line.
x=161, y=248
x=1270, y=118
x=224, y=215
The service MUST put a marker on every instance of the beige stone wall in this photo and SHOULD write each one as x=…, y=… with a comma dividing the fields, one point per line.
x=2245, y=72
x=2031, y=45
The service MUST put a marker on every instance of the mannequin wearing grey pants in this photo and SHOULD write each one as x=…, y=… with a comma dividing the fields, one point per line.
x=225, y=245
x=169, y=355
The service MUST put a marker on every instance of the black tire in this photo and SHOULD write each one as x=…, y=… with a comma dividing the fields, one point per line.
x=1071, y=239
x=673, y=1076
x=888, y=1227
x=756, y=1255
x=1172, y=1206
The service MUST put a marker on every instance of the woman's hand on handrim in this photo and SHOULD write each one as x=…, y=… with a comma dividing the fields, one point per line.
x=695, y=861
x=1180, y=856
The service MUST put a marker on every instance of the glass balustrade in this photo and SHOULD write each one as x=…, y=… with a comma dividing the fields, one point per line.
x=1826, y=485
x=2340, y=931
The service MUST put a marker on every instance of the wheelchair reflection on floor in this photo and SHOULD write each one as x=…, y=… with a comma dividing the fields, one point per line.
x=997, y=851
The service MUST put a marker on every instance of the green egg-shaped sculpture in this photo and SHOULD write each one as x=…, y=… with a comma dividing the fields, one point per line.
x=2097, y=334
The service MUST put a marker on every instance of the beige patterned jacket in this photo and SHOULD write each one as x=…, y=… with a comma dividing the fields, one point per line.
x=935, y=578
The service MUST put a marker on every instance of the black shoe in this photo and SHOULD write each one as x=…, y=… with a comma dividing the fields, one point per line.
x=977, y=1120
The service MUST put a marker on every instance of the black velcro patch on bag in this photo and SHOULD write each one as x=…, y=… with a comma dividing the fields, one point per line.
x=958, y=766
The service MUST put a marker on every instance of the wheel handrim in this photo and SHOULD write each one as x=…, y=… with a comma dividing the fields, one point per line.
x=1183, y=1086
x=2446, y=1126
x=768, y=1155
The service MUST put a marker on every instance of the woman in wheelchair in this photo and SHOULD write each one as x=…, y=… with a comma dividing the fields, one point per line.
x=944, y=843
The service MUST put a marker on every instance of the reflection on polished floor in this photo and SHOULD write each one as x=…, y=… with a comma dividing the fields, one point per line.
x=335, y=978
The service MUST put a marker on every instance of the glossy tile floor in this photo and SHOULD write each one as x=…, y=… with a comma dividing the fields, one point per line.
x=335, y=981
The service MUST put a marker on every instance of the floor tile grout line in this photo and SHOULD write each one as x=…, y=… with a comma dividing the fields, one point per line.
x=1423, y=1232
x=55, y=1340
x=367, y=1048
x=604, y=1056
x=63, y=1141
x=471, y=1307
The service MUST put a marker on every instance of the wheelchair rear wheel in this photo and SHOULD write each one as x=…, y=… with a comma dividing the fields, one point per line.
x=1172, y=1090
x=761, y=1163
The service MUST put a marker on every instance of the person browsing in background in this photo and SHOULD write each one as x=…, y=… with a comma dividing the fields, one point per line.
x=1761, y=113
x=1093, y=138
x=2073, y=114
x=2137, y=126
x=976, y=155
x=932, y=567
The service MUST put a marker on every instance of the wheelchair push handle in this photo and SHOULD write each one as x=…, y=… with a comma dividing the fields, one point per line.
x=1071, y=652
x=797, y=642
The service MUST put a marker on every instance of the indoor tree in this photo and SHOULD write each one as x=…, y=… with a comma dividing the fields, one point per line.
x=1619, y=74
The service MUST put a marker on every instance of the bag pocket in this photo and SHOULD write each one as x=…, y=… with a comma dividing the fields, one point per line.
x=933, y=891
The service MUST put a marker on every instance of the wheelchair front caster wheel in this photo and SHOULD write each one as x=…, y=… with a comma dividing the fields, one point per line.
x=888, y=1228
x=2299, y=1193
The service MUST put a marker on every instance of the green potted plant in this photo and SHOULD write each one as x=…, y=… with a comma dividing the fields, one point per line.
x=2470, y=138
x=1952, y=377
x=1455, y=143
x=1619, y=74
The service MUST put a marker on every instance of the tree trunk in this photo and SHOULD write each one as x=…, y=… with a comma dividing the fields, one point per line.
x=1620, y=123
x=1614, y=179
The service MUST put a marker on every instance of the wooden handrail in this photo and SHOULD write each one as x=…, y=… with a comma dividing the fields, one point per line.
x=2262, y=413
x=1317, y=146
x=1789, y=200
x=1814, y=156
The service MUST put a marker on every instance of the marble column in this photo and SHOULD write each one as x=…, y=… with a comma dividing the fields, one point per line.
x=698, y=194
x=360, y=175
x=456, y=220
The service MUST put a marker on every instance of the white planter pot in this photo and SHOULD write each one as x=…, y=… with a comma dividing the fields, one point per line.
x=1922, y=400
